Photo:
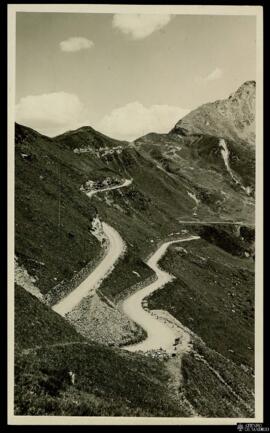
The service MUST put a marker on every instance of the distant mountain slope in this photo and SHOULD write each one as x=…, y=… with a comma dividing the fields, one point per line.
x=174, y=178
x=196, y=153
x=53, y=217
x=232, y=118
x=87, y=137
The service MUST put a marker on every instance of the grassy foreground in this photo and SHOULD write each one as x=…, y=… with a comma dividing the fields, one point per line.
x=108, y=382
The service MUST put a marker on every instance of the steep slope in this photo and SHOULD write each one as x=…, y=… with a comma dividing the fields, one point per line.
x=87, y=139
x=37, y=325
x=213, y=292
x=107, y=382
x=197, y=165
x=53, y=218
x=232, y=118
x=206, y=153
x=231, y=159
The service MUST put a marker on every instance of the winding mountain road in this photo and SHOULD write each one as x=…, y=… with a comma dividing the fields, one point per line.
x=159, y=334
x=116, y=247
x=127, y=182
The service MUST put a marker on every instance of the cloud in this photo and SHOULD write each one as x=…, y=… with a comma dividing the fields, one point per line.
x=212, y=76
x=51, y=113
x=134, y=120
x=140, y=26
x=54, y=113
x=76, y=44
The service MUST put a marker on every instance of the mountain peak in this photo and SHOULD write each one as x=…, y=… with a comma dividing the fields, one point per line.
x=86, y=137
x=247, y=88
x=248, y=83
x=232, y=118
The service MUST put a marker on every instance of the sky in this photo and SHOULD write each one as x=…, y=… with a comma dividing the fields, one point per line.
x=126, y=75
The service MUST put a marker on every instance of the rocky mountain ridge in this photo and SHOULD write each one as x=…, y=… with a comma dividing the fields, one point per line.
x=232, y=118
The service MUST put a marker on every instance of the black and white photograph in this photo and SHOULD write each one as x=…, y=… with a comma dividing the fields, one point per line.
x=135, y=182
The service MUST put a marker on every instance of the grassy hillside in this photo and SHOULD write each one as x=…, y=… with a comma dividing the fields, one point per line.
x=53, y=217
x=213, y=295
x=234, y=239
x=107, y=381
x=86, y=137
x=216, y=386
x=135, y=272
x=37, y=325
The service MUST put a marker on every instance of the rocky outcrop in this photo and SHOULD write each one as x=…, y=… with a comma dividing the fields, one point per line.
x=28, y=282
x=232, y=118
x=100, y=321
